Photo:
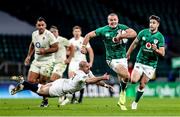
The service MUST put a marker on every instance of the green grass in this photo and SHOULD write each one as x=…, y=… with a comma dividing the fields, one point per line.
x=91, y=106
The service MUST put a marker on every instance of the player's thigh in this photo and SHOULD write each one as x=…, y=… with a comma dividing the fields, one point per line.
x=149, y=71
x=46, y=69
x=44, y=89
x=58, y=71
x=33, y=74
x=119, y=66
x=56, y=89
x=136, y=73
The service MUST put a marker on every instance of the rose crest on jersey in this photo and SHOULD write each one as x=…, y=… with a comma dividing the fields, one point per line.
x=37, y=44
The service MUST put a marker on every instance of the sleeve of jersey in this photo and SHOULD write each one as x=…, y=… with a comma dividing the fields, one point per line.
x=52, y=38
x=32, y=38
x=161, y=41
x=83, y=77
x=98, y=31
x=124, y=27
x=140, y=34
x=66, y=42
x=91, y=75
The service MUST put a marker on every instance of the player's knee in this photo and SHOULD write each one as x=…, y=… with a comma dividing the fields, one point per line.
x=133, y=81
x=43, y=80
x=142, y=86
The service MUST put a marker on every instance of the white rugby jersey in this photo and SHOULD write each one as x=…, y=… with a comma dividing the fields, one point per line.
x=60, y=55
x=77, y=43
x=43, y=41
x=64, y=86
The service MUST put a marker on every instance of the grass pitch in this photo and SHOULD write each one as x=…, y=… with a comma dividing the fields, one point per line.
x=91, y=107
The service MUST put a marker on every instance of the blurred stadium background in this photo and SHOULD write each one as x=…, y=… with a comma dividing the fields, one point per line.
x=18, y=17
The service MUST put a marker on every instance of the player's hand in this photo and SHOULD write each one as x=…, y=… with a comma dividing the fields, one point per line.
x=41, y=51
x=105, y=76
x=111, y=88
x=154, y=46
x=27, y=60
x=83, y=50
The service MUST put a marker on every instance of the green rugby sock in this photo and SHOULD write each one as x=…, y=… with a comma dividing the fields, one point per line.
x=139, y=93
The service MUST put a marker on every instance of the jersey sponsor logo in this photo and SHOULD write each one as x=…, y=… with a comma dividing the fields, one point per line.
x=37, y=44
x=148, y=45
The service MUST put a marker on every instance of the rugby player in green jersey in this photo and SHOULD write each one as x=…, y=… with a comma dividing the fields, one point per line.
x=151, y=43
x=114, y=36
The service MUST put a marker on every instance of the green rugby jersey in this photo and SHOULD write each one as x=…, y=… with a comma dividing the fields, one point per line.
x=113, y=50
x=146, y=55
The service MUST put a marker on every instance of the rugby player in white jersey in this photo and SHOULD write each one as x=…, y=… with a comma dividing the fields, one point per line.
x=61, y=60
x=77, y=41
x=43, y=45
x=63, y=86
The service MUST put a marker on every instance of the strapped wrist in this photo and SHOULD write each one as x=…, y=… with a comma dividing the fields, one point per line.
x=84, y=46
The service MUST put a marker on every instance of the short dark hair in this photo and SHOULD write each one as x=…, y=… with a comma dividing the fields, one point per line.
x=41, y=19
x=55, y=27
x=112, y=14
x=155, y=17
x=76, y=27
x=82, y=64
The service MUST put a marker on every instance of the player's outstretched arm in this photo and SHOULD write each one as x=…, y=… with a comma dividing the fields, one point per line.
x=103, y=84
x=94, y=80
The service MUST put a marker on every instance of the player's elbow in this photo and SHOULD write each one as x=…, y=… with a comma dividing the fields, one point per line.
x=163, y=54
x=134, y=34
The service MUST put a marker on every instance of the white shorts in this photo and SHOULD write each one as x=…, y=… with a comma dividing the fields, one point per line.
x=56, y=89
x=115, y=62
x=148, y=70
x=73, y=66
x=44, y=68
x=59, y=68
